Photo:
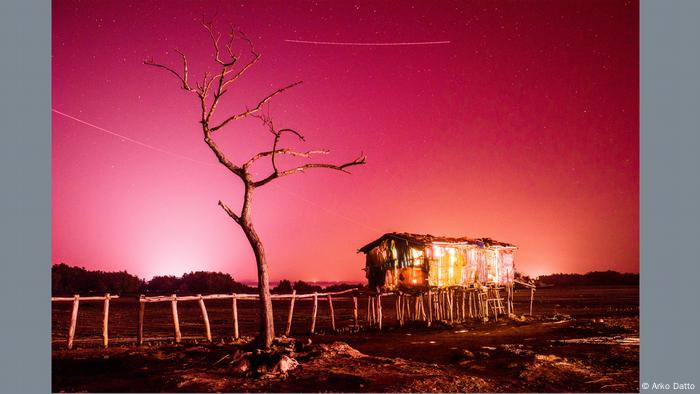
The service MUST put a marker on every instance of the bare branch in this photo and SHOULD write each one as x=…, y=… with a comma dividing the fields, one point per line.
x=229, y=44
x=285, y=151
x=342, y=167
x=215, y=41
x=301, y=137
x=182, y=78
x=222, y=158
x=256, y=108
x=256, y=57
x=230, y=213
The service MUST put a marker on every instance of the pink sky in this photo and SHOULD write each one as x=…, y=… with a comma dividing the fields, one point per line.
x=523, y=128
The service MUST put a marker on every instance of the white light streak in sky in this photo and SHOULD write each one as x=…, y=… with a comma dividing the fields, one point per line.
x=157, y=149
x=125, y=138
x=386, y=44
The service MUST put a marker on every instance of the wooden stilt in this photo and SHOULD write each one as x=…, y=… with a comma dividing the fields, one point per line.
x=176, y=320
x=484, y=297
x=73, y=320
x=369, y=310
x=291, y=313
x=414, y=309
x=205, y=317
x=436, y=304
x=105, y=322
x=443, y=305
x=445, y=300
x=450, y=295
x=494, y=299
x=354, y=310
x=404, y=314
x=374, y=310
x=509, y=295
x=406, y=306
x=532, y=296
x=495, y=305
x=234, y=307
x=471, y=315
x=397, y=306
x=330, y=306
x=430, y=307
x=379, y=308
x=477, y=303
x=455, y=300
x=139, y=328
x=313, y=313
x=422, y=308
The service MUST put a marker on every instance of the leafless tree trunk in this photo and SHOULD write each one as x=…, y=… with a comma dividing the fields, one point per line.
x=209, y=93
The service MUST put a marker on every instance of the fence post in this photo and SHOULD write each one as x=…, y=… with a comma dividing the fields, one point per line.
x=176, y=321
x=73, y=320
x=234, y=306
x=139, y=328
x=313, y=314
x=105, y=321
x=291, y=313
x=354, y=309
x=330, y=306
x=205, y=316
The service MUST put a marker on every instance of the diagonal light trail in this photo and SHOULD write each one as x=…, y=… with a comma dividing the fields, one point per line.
x=157, y=149
x=386, y=44
x=125, y=138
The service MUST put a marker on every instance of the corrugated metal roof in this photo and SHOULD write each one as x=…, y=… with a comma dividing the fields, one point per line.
x=427, y=239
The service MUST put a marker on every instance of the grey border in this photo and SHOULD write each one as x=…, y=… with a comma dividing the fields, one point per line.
x=669, y=191
x=25, y=196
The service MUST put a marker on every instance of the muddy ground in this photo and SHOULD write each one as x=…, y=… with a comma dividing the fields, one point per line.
x=580, y=340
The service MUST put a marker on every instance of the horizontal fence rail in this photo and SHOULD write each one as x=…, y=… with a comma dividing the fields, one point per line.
x=448, y=304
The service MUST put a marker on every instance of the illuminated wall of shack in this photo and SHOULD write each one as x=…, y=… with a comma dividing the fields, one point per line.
x=399, y=263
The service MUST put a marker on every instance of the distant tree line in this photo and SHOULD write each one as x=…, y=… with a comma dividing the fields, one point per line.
x=76, y=280
x=285, y=287
x=595, y=278
x=67, y=280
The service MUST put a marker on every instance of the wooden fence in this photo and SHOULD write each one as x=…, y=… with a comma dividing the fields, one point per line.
x=74, y=314
x=455, y=304
x=174, y=299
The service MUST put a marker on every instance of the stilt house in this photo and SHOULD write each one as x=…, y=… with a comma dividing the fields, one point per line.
x=418, y=262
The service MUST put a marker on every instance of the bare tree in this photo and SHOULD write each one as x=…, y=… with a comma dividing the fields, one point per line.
x=209, y=93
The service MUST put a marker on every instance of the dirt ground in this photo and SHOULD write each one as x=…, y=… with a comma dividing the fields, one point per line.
x=580, y=340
